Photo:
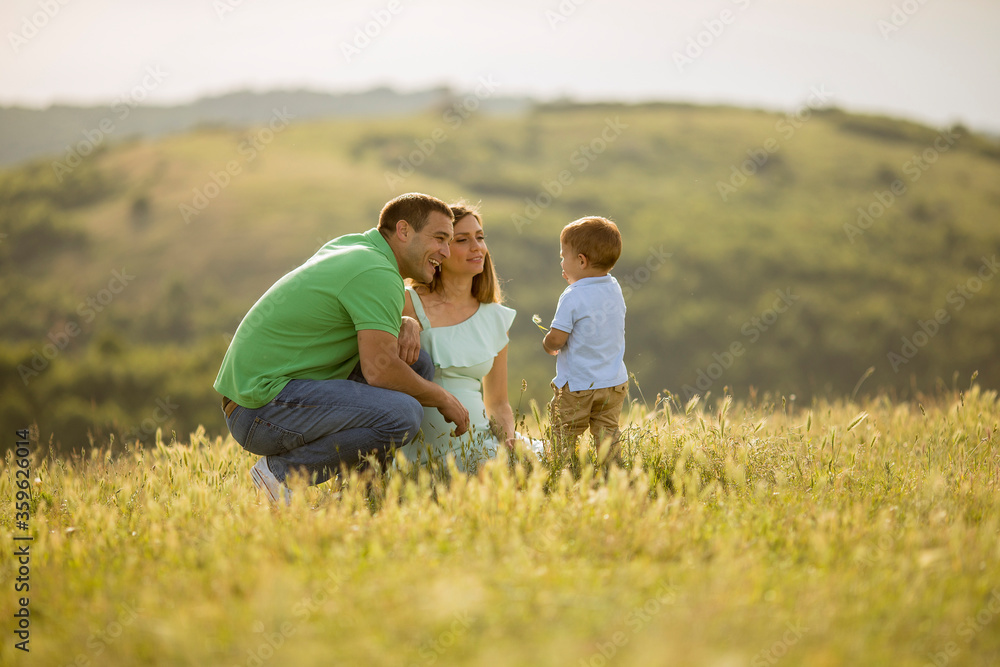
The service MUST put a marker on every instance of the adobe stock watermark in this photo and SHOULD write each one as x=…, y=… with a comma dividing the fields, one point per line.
x=632, y=282
x=957, y=298
x=224, y=7
x=432, y=649
x=302, y=611
x=877, y=552
x=32, y=25
x=453, y=117
x=580, y=160
x=549, y=538
x=562, y=12
x=899, y=17
x=60, y=339
x=261, y=311
x=363, y=35
x=914, y=168
x=160, y=416
x=704, y=39
x=752, y=329
x=785, y=128
x=100, y=640
x=779, y=649
x=248, y=150
x=120, y=109
x=967, y=630
x=636, y=620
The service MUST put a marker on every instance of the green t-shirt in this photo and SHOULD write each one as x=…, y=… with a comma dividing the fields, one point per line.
x=305, y=326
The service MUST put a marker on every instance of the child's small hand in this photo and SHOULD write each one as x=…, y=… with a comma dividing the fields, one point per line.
x=538, y=321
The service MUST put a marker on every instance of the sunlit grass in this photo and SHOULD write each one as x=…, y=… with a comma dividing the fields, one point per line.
x=736, y=534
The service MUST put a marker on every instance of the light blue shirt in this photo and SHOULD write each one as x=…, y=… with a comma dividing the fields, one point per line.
x=592, y=312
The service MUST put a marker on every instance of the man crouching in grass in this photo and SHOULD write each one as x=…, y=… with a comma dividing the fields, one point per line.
x=324, y=369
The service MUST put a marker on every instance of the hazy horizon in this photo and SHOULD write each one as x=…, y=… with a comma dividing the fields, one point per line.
x=935, y=63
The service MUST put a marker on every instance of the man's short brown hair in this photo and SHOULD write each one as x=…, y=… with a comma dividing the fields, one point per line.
x=413, y=207
x=596, y=238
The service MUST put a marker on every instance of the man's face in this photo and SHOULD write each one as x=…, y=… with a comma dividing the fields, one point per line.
x=425, y=250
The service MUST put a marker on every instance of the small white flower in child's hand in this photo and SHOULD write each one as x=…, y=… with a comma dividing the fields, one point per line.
x=538, y=321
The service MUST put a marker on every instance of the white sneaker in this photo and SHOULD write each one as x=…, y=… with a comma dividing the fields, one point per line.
x=265, y=480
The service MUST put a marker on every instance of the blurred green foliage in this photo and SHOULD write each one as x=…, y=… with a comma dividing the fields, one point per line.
x=786, y=253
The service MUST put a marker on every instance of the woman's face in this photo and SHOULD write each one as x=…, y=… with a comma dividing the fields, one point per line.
x=468, y=248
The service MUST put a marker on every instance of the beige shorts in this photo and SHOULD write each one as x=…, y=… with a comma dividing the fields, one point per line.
x=572, y=412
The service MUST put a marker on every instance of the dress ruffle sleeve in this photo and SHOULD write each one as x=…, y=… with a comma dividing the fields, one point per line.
x=474, y=341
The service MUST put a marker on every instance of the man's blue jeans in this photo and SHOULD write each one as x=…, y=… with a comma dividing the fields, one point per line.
x=315, y=426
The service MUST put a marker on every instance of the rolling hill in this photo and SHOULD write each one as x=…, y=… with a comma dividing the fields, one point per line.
x=781, y=253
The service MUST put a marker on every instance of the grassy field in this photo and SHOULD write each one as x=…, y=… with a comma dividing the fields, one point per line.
x=759, y=533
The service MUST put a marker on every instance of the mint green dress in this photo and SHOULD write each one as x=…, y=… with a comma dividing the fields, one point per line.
x=463, y=353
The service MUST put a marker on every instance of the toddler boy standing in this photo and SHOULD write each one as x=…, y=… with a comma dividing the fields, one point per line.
x=587, y=337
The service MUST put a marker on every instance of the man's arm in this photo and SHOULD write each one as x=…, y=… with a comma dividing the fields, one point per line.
x=382, y=367
x=409, y=332
x=554, y=341
x=408, y=343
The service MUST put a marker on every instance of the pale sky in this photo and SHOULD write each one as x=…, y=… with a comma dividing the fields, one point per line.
x=934, y=61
